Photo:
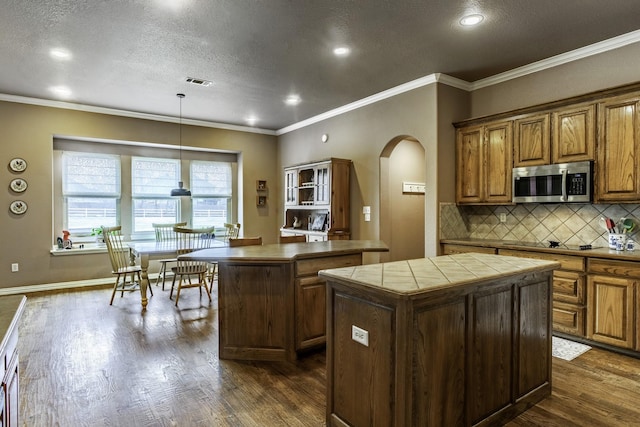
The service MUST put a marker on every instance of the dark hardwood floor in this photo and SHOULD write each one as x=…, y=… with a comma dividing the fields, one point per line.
x=85, y=363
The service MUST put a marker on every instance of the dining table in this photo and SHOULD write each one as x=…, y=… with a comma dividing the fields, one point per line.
x=146, y=251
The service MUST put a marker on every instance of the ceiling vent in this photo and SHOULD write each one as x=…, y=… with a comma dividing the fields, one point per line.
x=199, y=82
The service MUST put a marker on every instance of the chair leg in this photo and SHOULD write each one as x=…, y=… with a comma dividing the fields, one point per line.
x=115, y=288
x=203, y=283
x=173, y=282
x=179, y=288
x=162, y=273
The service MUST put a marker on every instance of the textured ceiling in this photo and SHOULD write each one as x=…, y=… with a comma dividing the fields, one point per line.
x=135, y=55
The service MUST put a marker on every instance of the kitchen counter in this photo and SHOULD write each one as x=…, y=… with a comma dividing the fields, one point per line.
x=603, y=252
x=271, y=302
x=11, y=308
x=461, y=339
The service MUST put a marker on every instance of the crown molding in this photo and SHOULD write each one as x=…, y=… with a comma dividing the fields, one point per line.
x=131, y=114
x=406, y=87
x=563, y=58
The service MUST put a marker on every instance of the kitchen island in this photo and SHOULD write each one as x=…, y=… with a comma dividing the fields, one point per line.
x=271, y=303
x=453, y=340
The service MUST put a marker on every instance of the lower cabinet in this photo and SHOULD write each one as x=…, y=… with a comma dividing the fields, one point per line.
x=569, y=289
x=311, y=299
x=9, y=386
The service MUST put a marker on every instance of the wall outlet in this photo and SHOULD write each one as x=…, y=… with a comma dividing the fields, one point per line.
x=367, y=217
x=503, y=217
x=15, y=267
x=359, y=335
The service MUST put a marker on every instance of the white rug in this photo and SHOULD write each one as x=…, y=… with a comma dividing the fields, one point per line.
x=567, y=350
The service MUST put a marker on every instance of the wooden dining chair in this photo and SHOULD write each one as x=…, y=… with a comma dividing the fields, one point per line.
x=293, y=239
x=245, y=241
x=164, y=233
x=121, y=267
x=231, y=231
x=189, y=240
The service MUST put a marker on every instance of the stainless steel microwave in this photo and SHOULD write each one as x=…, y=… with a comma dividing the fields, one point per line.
x=560, y=183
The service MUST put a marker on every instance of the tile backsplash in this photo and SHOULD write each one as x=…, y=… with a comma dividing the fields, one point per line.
x=570, y=224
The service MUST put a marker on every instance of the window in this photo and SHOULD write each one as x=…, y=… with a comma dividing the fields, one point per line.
x=91, y=191
x=151, y=182
x=211, y=192
x=130, y=185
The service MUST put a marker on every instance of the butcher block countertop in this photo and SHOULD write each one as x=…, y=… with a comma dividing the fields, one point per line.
x=287, y=251
x=419, y=276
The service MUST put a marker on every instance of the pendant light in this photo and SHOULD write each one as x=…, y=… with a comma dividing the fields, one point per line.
x=180, y=191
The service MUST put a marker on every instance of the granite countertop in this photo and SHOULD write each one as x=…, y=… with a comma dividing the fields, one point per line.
x=287, y=251
x=602, y=252
x=11, y=308
x=418, y=276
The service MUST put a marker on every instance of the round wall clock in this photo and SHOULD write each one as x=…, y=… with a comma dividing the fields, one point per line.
x=18, y=185
x=18, y=207
x=18, y=164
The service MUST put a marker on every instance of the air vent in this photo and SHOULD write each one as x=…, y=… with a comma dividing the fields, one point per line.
x=199, y=82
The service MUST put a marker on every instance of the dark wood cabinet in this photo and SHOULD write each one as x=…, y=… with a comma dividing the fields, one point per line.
x=477, y=354
x=484, y=163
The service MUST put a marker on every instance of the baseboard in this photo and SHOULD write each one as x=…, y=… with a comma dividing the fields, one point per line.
x=18, y=290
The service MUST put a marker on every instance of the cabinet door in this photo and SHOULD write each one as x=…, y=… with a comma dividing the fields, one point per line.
x=291, y=187
x=573, y=136
x=611, y=310
x=617, y=176
x=11, y=409
x=499, y=163
x=310, y=312
x=322, y=185
x=531, y=141
x=469, y=165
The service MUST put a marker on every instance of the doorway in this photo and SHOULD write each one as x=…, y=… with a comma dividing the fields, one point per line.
x=402, y=163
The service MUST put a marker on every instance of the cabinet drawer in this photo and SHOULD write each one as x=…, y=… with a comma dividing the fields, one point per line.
x=312, y=266
x=568, y=318
x=450, y=249
x=615, y=268
x=569, y=286
x=567, y=262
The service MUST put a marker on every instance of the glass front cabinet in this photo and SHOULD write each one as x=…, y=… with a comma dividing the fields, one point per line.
x=317, y=200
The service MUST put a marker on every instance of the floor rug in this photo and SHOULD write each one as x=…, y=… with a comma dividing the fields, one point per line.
x=567, y=350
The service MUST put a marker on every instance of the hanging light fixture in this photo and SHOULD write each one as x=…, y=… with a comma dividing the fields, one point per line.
x=180, y=191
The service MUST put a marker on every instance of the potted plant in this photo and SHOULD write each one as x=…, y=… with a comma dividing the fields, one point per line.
x=97, y=232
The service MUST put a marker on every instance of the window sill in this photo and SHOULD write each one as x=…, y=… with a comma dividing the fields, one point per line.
x=88, y=248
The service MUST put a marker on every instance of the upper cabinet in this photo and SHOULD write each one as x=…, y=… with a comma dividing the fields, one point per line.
x=531, y=140
x=617, y=176
x=573, y=136
x=484, y=163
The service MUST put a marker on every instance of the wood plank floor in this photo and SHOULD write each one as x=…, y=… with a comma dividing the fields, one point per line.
x=85, y=363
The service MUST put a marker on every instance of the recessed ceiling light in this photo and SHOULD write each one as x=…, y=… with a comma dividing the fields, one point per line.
x=292, y=100
x=60, y=53
x=251, y=120
x=61, y=91
x=471, y=20
x=341, y=51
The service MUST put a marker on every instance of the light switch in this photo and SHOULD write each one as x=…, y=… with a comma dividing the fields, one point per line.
x=360, y=335
x=367, y=217
x=366, y=210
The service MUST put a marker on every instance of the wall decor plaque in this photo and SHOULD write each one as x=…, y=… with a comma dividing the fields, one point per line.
x=18, y=185
x=18, y=207
x=18, y=164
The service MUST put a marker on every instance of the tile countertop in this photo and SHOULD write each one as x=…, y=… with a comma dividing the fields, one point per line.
x=11, y=308
x=423, y=275
x=603, y=252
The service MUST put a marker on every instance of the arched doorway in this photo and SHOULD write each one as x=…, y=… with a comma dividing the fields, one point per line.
x=402, y=161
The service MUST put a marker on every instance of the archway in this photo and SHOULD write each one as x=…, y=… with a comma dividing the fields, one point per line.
x=402, y=220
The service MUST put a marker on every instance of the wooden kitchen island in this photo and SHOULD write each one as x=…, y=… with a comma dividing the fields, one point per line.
x=459, y=340
x=271, y=303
